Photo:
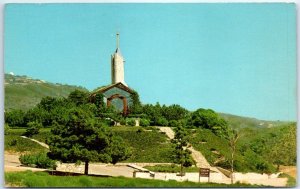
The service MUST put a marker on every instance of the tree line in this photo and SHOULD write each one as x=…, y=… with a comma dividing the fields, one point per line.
x=52, y=110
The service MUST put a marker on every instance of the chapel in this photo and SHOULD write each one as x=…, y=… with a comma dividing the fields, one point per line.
x=117, y=94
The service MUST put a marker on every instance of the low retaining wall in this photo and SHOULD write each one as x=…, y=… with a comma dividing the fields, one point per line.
x=253, y=176
x=193, y=177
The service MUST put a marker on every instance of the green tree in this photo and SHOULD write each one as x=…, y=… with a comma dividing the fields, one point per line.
x=99, y=102
x=284, y=151
x=174, y=112
x=35, y=114
x=15, y=118
x=84, y=139
x=161, y=121
x=182, y=155
x=33, y=128
x=207, y=118
x=144, y=122
x=136, y=106
x=48, y=103
x=79, y=97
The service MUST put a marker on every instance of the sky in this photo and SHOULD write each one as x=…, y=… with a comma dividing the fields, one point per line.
x=232, y=58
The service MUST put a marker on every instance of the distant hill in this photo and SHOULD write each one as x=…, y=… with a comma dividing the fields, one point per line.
x=247, y=122
x=23, y=92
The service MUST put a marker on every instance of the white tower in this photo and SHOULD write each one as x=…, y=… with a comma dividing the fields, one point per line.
x=117, y=65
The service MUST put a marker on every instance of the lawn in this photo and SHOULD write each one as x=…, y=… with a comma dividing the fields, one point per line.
x=43, y=179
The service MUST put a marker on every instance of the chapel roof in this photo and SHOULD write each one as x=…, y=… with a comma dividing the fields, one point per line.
x=106, y=88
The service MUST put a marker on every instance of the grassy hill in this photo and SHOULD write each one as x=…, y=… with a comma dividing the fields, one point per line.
x=23, y=92
x=240, y=122
x=147, y=145
x=255, y=149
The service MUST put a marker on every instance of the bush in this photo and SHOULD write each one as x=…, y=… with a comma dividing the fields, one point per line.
x=40, y=160
x=28, y=160
x=33, y=128
x=123, y=121
x=144, y=122
x=139, y=130
x=173, y=123
x=131, y=122
x=162, y=121
x=15, y=118
x=13, y=142
x=6, y=129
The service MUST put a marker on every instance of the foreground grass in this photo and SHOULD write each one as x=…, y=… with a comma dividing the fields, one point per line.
x=43, y=179
x=170, y=168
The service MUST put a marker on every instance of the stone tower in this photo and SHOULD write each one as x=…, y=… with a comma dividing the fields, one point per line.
x=117, y=65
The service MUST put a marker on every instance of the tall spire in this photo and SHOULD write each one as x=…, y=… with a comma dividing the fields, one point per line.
x=118, y=40
x=117, y=64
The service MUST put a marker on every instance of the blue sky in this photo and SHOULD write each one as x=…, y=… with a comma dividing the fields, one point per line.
x=232, y=58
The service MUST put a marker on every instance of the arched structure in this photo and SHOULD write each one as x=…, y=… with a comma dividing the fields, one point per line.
x=125, y=106
x=115, y=93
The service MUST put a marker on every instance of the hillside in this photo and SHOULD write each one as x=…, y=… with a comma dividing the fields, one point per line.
x=258, y=149
x=240, y=122
x=23, y=92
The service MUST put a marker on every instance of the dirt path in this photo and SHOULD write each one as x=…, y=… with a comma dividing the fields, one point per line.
x=197, y=156
x=169, y=132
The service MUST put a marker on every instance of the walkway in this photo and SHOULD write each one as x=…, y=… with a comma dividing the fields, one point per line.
x=40, y=143
x=197, y=156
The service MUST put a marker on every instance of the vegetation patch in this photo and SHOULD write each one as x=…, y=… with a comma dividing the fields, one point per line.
x=15, y=143
x=43, y=179
x=152, y=147
x=39, y=160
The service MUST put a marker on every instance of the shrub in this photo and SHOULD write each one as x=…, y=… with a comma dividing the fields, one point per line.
x=144, y=122
x=13, y=142
x=162, y=121
x=173, y=123
x=123, y=121
x=139, y=130
x=15, y=118
x=33, y=128
x=40, y=160
x=6, y=129
x=28, y=160
x=131, y=122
